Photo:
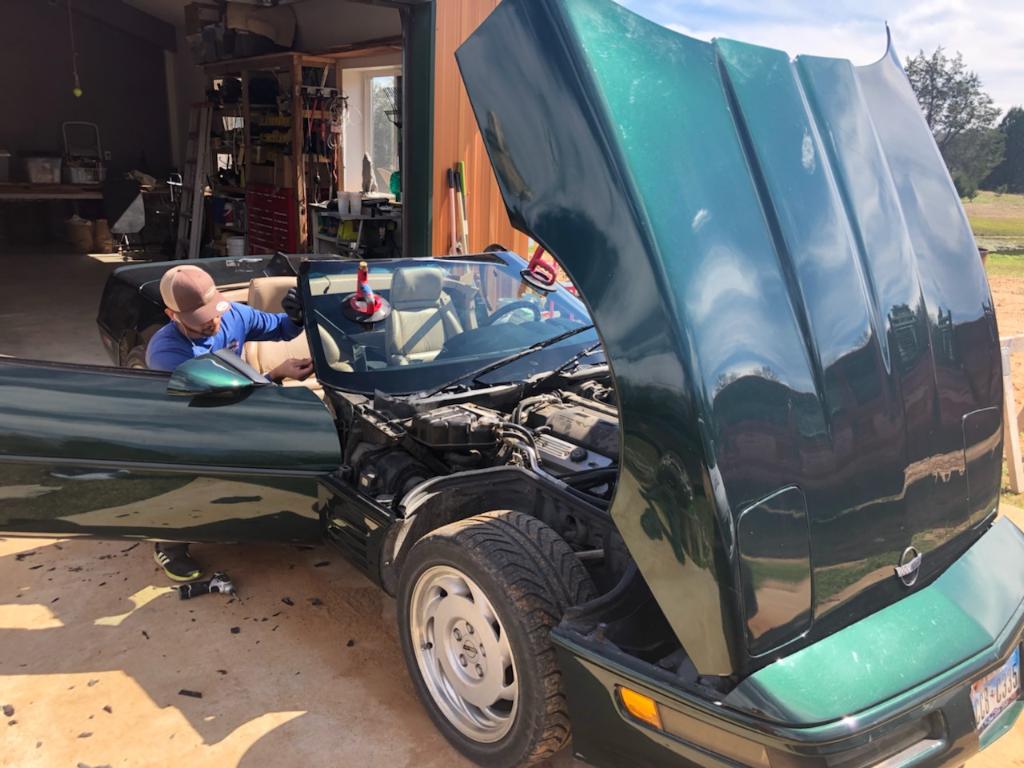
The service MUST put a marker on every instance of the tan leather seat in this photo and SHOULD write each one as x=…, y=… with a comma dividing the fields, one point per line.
x=422, y=317
x=266, y=293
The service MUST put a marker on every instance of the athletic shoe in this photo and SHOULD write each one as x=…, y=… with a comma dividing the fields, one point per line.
x=177, y=562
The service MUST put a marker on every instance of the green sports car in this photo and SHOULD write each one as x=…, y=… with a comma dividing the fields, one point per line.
x=737, y=505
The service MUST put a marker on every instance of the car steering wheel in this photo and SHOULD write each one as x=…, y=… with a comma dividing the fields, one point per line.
x=512, y=307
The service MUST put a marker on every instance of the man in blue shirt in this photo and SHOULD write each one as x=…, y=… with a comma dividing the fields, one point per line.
x=203, y=321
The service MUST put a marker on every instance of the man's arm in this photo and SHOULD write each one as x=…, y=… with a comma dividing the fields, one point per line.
x=267, y=326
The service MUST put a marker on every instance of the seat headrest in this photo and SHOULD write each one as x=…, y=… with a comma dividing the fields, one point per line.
x=416, y=287
x=266, y=293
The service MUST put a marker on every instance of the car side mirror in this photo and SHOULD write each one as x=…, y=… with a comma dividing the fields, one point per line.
x=219, y=373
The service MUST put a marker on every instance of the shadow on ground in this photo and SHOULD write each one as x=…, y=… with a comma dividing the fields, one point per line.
x=316, y=682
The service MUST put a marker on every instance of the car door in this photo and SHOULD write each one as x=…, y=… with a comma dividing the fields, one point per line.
x=107, y=452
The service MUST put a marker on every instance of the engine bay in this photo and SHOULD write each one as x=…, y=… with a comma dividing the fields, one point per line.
x=564, y=431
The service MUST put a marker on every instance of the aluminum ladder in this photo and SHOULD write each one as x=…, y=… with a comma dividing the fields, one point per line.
x=197, y=162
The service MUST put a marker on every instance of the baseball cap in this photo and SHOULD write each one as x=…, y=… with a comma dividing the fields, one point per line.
x=191, y=293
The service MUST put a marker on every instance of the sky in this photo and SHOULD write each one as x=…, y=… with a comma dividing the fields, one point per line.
x=989, y=33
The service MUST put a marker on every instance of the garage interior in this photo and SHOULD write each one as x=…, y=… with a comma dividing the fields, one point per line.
x=147, y=130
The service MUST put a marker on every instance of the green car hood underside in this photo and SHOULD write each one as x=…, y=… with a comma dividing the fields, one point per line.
x=799, y=326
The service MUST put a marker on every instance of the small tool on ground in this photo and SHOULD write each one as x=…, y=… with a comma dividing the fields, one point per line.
x=219, y=583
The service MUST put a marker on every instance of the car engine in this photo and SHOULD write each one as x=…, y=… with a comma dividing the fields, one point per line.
x=566, y=435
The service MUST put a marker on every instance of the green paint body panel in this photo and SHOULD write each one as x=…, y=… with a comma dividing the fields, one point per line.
x=859, y=690
x=974, y=608
x=206, y=375
x=417, y=126
x=108, y=452
x=790, y=299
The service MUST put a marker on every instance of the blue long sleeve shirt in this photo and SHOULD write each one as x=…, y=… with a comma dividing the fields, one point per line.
x=169, y=347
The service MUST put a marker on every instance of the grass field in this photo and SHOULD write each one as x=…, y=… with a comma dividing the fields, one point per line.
x=1005, y=264
x=997, y=221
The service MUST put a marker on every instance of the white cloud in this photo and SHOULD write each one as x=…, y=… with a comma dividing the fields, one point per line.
x=990, y=35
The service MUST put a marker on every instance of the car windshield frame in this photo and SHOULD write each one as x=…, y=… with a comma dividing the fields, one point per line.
x=404, y=380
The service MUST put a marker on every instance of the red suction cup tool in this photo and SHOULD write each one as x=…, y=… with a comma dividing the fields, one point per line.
x=539, y=273
x=365, y=306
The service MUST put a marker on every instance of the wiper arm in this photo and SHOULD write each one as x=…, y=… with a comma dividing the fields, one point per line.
x=474, y=375
x=574, y=360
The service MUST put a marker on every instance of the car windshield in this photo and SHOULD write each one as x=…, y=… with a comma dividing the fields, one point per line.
x=449, y=317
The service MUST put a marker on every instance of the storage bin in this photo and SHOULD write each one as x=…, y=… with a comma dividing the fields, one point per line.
x=43, y=170
x=78, y=174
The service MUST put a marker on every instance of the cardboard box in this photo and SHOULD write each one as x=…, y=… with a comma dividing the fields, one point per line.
x=199, y=15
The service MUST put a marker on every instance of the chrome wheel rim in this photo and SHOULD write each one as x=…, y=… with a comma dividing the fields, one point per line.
x=463, y=654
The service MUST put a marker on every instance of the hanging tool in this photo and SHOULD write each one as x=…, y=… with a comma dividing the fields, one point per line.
x=460, y=192
x=339, y=111
x=461, y=168
x=219, y=583
x=77, y=90
x=456, y=247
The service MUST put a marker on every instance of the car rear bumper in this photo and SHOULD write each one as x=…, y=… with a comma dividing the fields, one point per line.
x=823, y=709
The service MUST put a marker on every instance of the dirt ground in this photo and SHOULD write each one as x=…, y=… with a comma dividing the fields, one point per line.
x=98, y=659
x=1008, y=293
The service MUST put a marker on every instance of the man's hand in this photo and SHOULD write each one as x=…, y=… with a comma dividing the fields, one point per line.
x=292, y=368
x=292, y=305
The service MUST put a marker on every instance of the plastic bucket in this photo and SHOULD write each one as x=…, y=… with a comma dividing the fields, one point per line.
x=235, y=246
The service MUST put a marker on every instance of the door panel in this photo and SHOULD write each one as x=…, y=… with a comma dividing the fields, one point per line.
x=106, y=452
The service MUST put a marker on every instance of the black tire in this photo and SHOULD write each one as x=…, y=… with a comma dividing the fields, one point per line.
x=530, y=576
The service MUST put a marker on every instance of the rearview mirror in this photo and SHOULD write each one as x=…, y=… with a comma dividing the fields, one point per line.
x=219, y=373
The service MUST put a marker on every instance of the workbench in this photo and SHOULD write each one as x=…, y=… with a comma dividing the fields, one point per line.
x=22, y=191
x=356, y=247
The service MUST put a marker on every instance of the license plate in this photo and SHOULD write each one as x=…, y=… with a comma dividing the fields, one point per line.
x=996, y=691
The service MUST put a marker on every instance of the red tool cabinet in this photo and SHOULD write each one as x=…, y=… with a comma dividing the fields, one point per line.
x=271, y=219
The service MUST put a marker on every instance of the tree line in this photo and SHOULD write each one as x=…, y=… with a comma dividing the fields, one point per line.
x=980, y=150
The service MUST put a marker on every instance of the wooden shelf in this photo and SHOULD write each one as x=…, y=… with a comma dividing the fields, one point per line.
x=277, y=129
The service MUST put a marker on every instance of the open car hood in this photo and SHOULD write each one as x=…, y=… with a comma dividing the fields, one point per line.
x=792, y=303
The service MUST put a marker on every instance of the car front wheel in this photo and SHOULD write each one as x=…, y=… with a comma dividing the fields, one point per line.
x=477, y=601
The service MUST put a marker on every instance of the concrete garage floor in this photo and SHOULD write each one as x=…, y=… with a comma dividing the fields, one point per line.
x=95, y=650
x=48, y=304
